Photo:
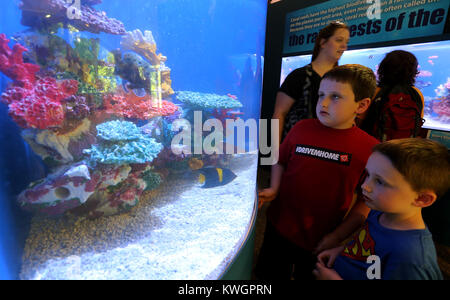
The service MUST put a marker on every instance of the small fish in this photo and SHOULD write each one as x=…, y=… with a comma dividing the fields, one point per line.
x=234, y=112
x=431, y=62
x=195, y=163
x=212, y=177
x=422, y=84
x=125, y=87
x=370, y=56
x=433, y=57
x=139, y=92
x=146, y=131
x=424, y=73
x=232, y=96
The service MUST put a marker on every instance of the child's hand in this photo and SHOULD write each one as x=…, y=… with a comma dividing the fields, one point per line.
x=266, y=195
x=327, y=242
x=323, y=273
x=328, y=257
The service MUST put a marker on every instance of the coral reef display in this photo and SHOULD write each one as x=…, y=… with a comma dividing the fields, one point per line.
x=69, y=96
x=441, y=105
x=102, y=155
x=100, y=119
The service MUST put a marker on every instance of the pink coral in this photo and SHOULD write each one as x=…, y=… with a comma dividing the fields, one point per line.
x=442, y=106
x=39, y=105
x=35, y=104
x=11, y=62
x=131, y=106
x=227, y=113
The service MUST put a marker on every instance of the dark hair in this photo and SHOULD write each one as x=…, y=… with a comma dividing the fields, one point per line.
x=424, y=163
x=324, y=34
x=361, y=78
x=397, y=67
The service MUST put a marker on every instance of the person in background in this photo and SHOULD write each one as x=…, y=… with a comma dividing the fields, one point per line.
x=320, y=165
x=397, y=107
x=297, y=96
x=404, y=176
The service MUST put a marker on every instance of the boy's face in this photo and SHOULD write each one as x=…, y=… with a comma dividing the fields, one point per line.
x=385, y=189
x=336, y=107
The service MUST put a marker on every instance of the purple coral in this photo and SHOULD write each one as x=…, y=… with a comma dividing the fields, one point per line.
x=76, y=107
x=91, y=2
x=38, y=12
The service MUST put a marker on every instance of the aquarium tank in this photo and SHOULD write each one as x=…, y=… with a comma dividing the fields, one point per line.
x=117, y=160
x=433, y=79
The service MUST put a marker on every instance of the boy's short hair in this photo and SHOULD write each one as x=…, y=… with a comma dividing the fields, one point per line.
x=361, y=78
x=423, y=163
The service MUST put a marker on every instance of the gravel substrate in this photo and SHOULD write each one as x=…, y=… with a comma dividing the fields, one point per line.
x=180, y=231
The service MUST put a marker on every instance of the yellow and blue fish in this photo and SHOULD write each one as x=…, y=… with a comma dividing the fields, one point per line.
x=210, y=177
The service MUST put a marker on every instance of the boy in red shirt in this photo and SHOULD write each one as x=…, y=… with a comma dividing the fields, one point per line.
x=320, y=164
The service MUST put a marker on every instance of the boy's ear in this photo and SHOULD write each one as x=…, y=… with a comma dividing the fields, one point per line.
x=425, y=198
x=363, y=105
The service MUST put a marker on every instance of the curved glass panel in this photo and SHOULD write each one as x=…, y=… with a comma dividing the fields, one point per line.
x=128, y=140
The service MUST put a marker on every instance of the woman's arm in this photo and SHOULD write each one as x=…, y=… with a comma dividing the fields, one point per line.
x=282, y=106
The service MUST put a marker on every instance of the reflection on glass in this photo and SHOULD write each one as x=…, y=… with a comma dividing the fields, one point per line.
x=433, y=79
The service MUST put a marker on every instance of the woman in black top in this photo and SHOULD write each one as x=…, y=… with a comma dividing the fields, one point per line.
x=297, y=96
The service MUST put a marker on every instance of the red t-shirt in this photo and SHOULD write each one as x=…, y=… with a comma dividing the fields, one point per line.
x=322, y=168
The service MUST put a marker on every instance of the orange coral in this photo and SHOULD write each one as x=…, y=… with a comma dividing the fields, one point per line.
x=148, y=51
x=166, y=83
x=131, y=106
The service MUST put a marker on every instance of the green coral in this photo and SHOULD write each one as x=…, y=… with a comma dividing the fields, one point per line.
x=122, y=143
x=95, y=72
x=207, y=101
x=118, y=131
x=106, y=80
x=94, y=96
x=152, y=179
x=87, y=49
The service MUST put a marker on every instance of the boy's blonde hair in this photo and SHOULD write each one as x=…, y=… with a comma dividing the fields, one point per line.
x=361, y=78
x=425, y=164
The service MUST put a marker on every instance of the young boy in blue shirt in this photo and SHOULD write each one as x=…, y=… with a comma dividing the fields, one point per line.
x=404, y=176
